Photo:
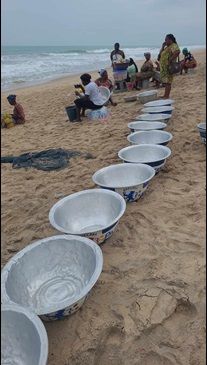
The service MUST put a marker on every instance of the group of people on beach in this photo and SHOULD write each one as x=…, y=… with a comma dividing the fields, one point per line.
x=169, y=53
x=89, y=96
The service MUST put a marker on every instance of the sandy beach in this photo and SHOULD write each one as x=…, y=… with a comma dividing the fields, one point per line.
x=148, y=306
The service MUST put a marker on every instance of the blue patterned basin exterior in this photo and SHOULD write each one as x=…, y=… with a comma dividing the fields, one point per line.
x=203, y=136
x=68, y=311
x=158, y=165
x=201, y=128
x=101, y=236
x=131, y=193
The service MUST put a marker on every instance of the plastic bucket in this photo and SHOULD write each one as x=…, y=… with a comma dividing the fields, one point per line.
x=71, y=112
x=129, y=86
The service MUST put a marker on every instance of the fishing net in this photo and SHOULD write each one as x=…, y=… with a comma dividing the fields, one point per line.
x=48, y=160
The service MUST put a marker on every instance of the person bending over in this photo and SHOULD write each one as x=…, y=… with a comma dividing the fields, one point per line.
x=18, y=112
x=146, y=72
x=188, y=62
x=131, y=70
x=91, y=99
x=104, y=80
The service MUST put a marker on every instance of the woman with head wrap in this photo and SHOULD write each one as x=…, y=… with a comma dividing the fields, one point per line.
x=104, y=80
x=146, y=72
x=91, y=99
x=168, y=53
x=18, y=111
x=188, y=62
x=131, y=70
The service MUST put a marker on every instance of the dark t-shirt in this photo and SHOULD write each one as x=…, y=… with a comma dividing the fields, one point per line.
x=188, y=57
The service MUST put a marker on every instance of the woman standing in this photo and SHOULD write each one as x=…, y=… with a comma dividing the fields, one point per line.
x=168, y=53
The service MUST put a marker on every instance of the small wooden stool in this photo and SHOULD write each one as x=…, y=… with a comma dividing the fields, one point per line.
x=119, y=86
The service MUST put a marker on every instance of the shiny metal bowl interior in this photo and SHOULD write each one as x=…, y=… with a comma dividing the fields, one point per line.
x=87, y=211
x=146, y=96
x=23, y=337
x=144, y=153
x=160, y=102
x=105, y=93
x=123, y=175
x=158, y=109
x=146, y=125
x=150, y=137
x=52, y=274
x=147, y=93
x=154, y=117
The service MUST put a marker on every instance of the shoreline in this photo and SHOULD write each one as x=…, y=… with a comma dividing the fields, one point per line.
x=33, y=84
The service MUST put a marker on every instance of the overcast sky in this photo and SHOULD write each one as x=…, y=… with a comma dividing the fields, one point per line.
x=102, y=22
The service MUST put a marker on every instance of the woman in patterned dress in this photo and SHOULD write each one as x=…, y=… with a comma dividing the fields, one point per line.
x=168, y=53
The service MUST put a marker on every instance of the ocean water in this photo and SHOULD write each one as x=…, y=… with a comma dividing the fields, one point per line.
x=24, y=65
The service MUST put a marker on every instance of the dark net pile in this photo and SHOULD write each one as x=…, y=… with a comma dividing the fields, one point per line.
x=48, y=160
